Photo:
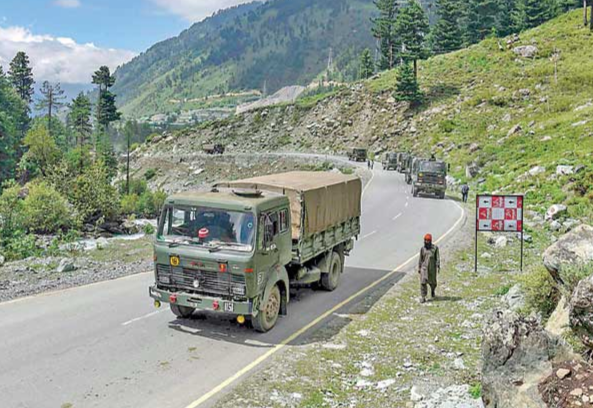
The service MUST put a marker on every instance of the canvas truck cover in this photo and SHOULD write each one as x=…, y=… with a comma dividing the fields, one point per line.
x=318, y=200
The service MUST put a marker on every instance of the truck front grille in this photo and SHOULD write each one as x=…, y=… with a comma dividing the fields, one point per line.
x=201, y=281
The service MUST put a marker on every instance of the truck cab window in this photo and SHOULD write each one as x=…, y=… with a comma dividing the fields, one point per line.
x=283, y=221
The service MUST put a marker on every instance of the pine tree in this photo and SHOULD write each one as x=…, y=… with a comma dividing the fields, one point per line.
x=21, y=76
x=53, y=99
x=366, y=64
x=412, y=27
x=129, y=132
x=384, y=31
x=447, y=35
x=105, y=111
x=407, y=88
x=106, y=154
x=79, y=120
x=480, y=19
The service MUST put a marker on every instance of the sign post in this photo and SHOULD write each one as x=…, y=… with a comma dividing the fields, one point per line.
x=499, y=213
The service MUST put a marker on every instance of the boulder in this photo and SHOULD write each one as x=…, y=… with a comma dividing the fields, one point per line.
x=514, y=298
x=501, y=242
x=556, y=211
x=455, y=396
x=472, y=170
x=534, y=171
x=574, y=247
x=526, y=51
x=515, y=129
x=555, y=226
x=581, y=311
x=564, y=170
x=558, y=322
x=66, y=265
x=517, y=353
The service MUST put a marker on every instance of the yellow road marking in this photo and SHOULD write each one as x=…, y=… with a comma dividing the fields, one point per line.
x=304, y=329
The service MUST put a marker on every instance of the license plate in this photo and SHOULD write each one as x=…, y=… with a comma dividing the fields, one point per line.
x=229, y=307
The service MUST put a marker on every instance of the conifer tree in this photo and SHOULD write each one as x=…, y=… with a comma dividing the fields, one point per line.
x=366, y=64
x=21, y=76
x=407, y=88
x=52, y=100
x=447, y=35
x=480, y=18
x=105, y=111
x=384, y=31
x=412, y=28
x=80, y=123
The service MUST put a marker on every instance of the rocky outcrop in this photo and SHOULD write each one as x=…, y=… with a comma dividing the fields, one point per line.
x=581, y=311
x=517, y=353
x=573, y=248
x=526, y=51
x=558, y=322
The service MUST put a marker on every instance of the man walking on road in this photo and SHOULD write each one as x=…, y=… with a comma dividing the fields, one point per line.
x=464, y=192
x=429, y=265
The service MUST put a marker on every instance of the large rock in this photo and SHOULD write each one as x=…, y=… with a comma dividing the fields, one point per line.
x=472, y=170
x=66, y=265
x=581, y=311
x=526, y=51
x=558, y=322
x=455, y=396
x=517, y=353
x=515, y=298
x=556, y=211
x=574, y=247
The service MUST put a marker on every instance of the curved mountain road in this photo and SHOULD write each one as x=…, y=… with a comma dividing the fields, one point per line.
x=104, y=345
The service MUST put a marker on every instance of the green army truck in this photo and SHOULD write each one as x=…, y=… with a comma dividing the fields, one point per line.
x=358, y=155
x=429, y=176
x=390, y=161
x=404, y=162
x=410, y=166
x=238, y=248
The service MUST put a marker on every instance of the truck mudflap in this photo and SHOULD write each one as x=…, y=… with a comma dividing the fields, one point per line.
x=202, y=302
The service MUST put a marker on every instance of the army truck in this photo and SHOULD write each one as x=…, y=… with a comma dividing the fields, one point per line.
x=390, y=161
x=410, y=165
x=358, y=155
x=404, y=162
x=238, y=248
x=216, y=148
x=429, y=176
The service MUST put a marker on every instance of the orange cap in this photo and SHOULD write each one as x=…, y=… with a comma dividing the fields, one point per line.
x=428, y=237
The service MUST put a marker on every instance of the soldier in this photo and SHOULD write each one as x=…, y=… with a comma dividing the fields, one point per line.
x=464, y=192
x=429, y=265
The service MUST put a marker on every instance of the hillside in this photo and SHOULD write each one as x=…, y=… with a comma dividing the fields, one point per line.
x=488, y=110
x=279, y=43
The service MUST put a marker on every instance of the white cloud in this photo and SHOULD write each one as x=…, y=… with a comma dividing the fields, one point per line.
x=67, y=3
x=58, y=58
x=196, y=10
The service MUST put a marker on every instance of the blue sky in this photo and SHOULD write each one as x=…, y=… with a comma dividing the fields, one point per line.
x=67, y=39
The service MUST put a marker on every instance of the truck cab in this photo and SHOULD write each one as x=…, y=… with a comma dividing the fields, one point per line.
x=358, y=154
x=390, y=161
x=429, y=176
x=219, y=251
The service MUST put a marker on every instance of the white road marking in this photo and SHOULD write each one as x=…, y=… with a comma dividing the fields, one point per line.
x=369, y=234
x=407, y=203
x=142, y=317
x=397, y=216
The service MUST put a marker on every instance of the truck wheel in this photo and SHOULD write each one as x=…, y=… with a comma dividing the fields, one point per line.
x=442, y=195
x=266, y=319
x=415, y=192
x=331, y=280
x=182, y=311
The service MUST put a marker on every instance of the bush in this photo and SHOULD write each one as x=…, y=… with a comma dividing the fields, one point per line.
x=11, y=210
x=147, y=204
x=541, y=293
x=19, y=246
x=45, y=210
x=150, y=174
x=93, y=196
x=148, y=229
x=571, y=275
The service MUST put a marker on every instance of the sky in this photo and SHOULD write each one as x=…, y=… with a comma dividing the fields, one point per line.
x=67, y=40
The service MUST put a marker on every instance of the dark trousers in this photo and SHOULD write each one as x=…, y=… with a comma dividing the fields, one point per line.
x=464, y=196
x=424, y=290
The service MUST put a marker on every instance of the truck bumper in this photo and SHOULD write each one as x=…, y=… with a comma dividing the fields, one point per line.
x=430, y=188
x=202, y=302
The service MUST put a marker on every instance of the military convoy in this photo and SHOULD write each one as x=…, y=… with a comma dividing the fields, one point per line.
x=358, y=154
x=239, y=248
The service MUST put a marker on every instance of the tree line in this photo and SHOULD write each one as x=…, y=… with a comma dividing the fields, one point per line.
x=404, y=35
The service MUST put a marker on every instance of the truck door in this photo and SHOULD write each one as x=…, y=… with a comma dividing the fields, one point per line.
x=268, y=245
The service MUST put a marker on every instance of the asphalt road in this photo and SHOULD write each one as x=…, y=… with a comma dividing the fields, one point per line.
x=104, y=345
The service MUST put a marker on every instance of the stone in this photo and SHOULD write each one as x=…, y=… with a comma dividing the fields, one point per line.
x=2, y=260
x=581, y=311
x=102, y=243
x=564, y=170
x=556, y=211
x=558, y=323
x=415, y=396
x=515, y=129
x=474, y=147
x=517, y=353
x=486, y=255
x=577, y=392
x=66, y=265
x=562, y=373
x=526, y=51
x=501, y=242
x=574, y=247
x=534, y=171
x=458, y=364
x=455, y=396
x=514, y=298
x=555, y=226
x=472, y=170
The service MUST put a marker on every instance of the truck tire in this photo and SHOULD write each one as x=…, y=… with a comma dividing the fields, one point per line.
x=182, y=311
x=331, y=280
x=442, y=195
x=266, y=319
x=414, y=192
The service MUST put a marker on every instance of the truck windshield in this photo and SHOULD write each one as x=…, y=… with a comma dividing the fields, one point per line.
x=432, y=167
x=208, y=227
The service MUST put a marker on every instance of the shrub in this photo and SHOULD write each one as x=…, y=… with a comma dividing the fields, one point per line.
x=541, y=294
x=150, y=174
x=571, y=275
x=129, y=204
x=146, y=204
x=148, y=229
x=45, y=210
x=11, y=210
x=93, y=196
x=19, y=246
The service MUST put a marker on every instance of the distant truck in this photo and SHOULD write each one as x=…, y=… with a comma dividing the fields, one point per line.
x=404, y=162
x=390, y=161
x=429, y=176
x=240, y=247
x=215, y=148
x=358, y=154
x=409, y=166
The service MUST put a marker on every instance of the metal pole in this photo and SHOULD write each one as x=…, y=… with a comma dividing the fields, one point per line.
x=476, y=238
x=522, y=248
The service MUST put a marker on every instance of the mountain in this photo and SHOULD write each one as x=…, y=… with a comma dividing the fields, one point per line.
x=279, y=43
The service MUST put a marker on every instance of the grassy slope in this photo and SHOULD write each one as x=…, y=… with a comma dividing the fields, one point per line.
x=467, y=85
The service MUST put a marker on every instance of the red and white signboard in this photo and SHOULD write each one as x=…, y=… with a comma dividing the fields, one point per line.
x=503, y=213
